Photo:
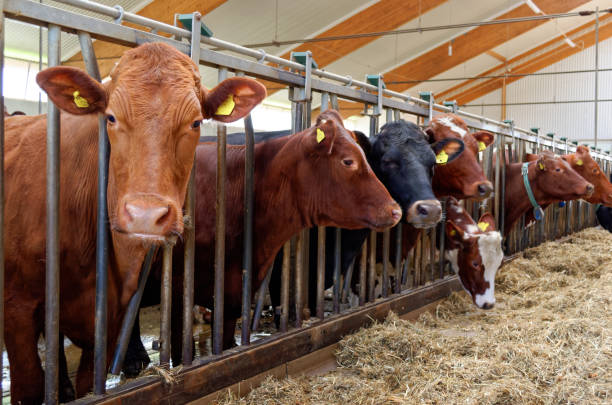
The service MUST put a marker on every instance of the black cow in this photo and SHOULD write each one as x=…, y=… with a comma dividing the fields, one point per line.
x=604, y=215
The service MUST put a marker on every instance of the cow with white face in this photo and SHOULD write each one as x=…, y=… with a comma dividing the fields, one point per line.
x=474, y=251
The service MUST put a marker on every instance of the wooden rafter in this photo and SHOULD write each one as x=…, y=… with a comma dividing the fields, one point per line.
x=532, y=61
x=161, y=10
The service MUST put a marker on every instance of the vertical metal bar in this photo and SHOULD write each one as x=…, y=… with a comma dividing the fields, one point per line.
x=285, y=279
x=1, y=188
x=432, y=253
x=500, y=155
x=320, y=271
x=337, y=268
x=217, y=338
x=52, y=249
x=101, y=322
x=388, y=115
x=299, y=279
x=249, y=173
x=130, y=314
x=442, y=231
x=189, y=220
x=362, y=272
x=385, y=254
x=165, y=306
x=324, y=101
x=596, y=127
x=372, y=267
x=398, y=259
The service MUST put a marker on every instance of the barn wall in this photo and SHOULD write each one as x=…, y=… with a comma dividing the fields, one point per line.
x=572, y=120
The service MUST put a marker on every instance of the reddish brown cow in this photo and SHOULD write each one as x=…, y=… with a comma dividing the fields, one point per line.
x=300, y=182
x=463, y=177
x=550, y=178
x=474, y=251
x=154, y=105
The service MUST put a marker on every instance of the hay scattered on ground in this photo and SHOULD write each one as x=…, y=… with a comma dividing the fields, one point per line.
x=547, y=341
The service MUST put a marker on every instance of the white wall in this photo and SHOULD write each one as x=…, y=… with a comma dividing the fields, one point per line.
x=573, y=120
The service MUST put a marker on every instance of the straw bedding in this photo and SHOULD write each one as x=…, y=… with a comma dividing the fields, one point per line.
x=547, y=341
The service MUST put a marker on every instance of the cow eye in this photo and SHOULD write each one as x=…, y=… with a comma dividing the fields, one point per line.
x=475, y=264
x=196, y=124
x=111, y=118
x=557, y=169
x=347, y=162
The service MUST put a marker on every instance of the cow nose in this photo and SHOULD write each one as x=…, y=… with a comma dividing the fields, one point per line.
x=147, y=216
x=396, y=214
x=488, y=305
x=485, y=189
x=424, y=213
x=590, y=189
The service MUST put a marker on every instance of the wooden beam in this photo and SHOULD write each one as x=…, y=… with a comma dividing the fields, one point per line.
x=532, y=62
x=473, y=43
x=160, y=10
x=496, y=55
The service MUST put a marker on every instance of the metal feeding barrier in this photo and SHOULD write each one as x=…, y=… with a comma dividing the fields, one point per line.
x=407, y=282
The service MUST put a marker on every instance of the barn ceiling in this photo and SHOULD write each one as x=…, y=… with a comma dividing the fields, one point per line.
x=400, y=57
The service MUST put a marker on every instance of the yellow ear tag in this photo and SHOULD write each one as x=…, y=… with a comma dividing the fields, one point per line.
x=442, y=158
x=481, y=146
x=80, y=102
x=453, y=232
x=579, y=162
x=320, y=135
x=541, y=166
x=226, y=107
x=483, y=226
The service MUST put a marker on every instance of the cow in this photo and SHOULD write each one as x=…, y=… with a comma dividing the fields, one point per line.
x=604, y=216
x=549, y=177
x=474, y=251
x=154, y=104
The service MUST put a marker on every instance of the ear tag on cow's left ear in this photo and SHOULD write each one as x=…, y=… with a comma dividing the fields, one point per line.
x=226, y=107
x=79, y=101
x=579, y=162
x=442, y=158
x=483, y=226
x=541, y=165
x=320, y=135
x=481, y=146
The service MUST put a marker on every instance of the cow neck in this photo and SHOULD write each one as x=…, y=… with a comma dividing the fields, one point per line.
x=277, y=214
x=516, y=199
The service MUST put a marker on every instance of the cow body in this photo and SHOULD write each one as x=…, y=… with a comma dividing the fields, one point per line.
x=144, y=201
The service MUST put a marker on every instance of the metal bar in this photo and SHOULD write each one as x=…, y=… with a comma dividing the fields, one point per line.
x=286, y=275
x=130, y=314
x=398, y=259
x=249, y=174
x=385, y=254
x=372, y=267
x=337, y=268
x=52, y=264
x=320, y=271
x=165, y=306
x=217, y=338
x=363, y=262
x=2, y=28
x=101, y=322
x=299, y=279
x=442, y=230
x=432, y=253
x=261, y=295
x=595, y=134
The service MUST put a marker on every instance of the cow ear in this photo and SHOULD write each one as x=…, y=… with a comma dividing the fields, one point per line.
x=447, y=150
x=232, y=99
x=531, y=157
x=323, y=135
x=363, y=141
x=541, y=163
x=454, y=232
x=484, y=139
x=73, y=90
x=429, y=132
x=486, y=221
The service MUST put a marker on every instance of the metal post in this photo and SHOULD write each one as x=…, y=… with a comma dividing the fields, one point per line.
x=217, y=338
x=596, y=73
x=320, y=271
x=337, y=268
x=189, y=221
x=285, y=278
x=249, y=173
x=52, y=249
x=102, y=239
x=362, y=272
x=398, y=259
x=1, y=189
x=385, y=254
x=299, y=279
x=130, y=314
x=442, y=230
x=372, y=267
x=165, y=306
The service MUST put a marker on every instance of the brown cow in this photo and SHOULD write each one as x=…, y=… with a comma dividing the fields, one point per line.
x=154, y=105
x=550, y=178
x=474, y=251
x=299, y=183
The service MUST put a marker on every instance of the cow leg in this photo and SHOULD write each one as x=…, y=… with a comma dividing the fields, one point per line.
x=136, y=356
x=21, y=339
x=84, y=379
x=66, y=390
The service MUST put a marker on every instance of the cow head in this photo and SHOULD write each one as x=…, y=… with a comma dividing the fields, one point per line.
x=345, y=192
x=463, y=178
x=584, y=164
x=405, y=162
x=552, y=178
x=154, y=104
x=475, y=253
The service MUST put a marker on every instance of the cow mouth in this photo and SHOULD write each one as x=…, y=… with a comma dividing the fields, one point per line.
x=149, y=239
x=422, y=225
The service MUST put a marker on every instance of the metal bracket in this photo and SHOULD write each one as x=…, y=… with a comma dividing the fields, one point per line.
x=305, y=58
x=119, y=19
x=377, y=80
x=452, y=105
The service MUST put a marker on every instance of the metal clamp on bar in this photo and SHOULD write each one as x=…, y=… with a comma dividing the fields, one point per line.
x=429, y=98
x=377, y=80
x=119, y=19
x=452, y=105
x=305, y=58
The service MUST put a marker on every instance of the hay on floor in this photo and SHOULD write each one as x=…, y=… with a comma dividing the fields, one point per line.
x=547, y=341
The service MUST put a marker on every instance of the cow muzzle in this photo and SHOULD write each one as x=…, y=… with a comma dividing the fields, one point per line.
x=589, y=190
x=424, y=213
x=147, y=217
x=388, y=217
x=483, y=190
